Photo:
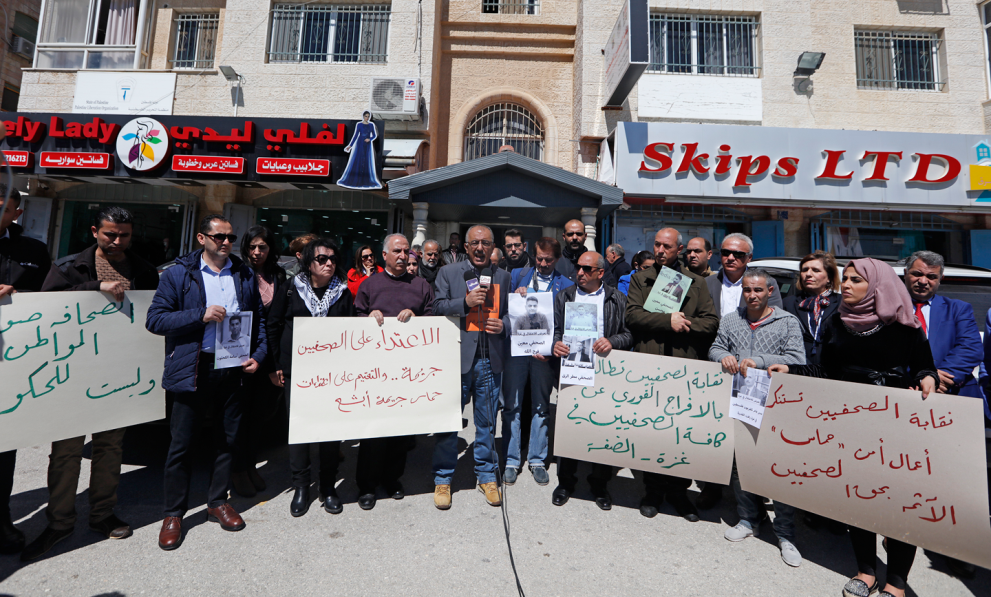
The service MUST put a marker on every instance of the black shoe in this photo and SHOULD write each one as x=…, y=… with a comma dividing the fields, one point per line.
x=709, y=497
x=685, y=508
x=560, y=496
x=602, y=499
x=11, y=538
x=112, y=527
x=650, y=504
x=300, y=501
x=332, y=504
x=396, y=491
x=44, y=543
x=366, y=501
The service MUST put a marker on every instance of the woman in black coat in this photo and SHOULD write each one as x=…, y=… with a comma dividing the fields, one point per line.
x=319, y=290
x=816, y=301
x=874, y=338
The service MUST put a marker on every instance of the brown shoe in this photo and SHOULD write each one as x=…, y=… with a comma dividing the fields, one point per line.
x=491, y=492
x=170, y=537
x=442, y=497
x=227, y=516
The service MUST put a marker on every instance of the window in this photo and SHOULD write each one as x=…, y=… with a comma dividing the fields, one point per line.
x=88, y=34
x=511, y=7
x=330, y=33
x=504, y=124
x=897, y=60
x=25, y=26
x=11, y=94
x=703, y=45
x=195, y=40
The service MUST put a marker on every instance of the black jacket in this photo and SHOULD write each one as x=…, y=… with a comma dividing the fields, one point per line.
x=78, y=272
x=24, y=261
x=813, y=346
x=286, y=306
x=568, y=263
x=613, y=318
x=616, y=270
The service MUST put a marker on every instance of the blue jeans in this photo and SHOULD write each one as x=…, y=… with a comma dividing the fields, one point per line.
x=485, y=385
x=749, y=507
x=541, y=376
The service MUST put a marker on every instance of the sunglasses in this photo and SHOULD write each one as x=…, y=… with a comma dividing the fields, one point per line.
x=323, y=259
x=588, y=269
x=738, y=254
x=369, y=256
x=220, y=238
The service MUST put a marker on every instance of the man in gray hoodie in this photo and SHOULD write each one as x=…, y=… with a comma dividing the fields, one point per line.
x=755, y=337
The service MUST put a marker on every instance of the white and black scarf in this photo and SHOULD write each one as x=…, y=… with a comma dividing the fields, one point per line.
x=318, y=307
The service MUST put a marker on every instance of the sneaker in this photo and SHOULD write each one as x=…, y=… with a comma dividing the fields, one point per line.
x=491, y=492
x=858, y=588
x=509, y=477
x=442, y=497
x=540, y=475
x=740, y=532
x=789, y=553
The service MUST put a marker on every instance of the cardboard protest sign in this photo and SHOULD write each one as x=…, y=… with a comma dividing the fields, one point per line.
x=75, y=363
x=877, y=458
x=668, y=292
x=749, y=396
x=233, y=341
x=532, y=320
x=651, y=413
x=477, y=315
x=352, y=379
x=581, y=330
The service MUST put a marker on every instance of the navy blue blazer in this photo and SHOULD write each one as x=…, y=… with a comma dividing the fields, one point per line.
x=956, y=343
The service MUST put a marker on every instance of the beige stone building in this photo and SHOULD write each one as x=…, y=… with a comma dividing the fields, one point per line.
x=19, y=33
x=531, y=74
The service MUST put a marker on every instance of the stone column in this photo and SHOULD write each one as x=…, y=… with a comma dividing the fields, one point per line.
x=588, y=218
x=420, y=211
x=551, y=232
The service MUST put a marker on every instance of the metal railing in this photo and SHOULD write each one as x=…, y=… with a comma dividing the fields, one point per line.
x=703, y=44
x=511, y=7
x=330, y=33
x=195, y=40
x=504, y=124
x=897, y=60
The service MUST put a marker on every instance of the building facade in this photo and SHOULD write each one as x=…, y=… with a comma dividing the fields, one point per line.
x=19, y=34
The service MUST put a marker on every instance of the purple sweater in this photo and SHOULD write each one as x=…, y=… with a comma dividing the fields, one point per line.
x=391, y=295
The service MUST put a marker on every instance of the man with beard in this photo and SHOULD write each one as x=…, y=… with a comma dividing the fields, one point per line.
x=574, y=246
x=454, y=253
x=431, y=263
x=516, y=251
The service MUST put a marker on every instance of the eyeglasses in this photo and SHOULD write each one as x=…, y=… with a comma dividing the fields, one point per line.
x=220, y=238
x=514, y=246
x=480, y=243
x=369, y=256
x=738, y=254
x=322, y=259
x=588, y=268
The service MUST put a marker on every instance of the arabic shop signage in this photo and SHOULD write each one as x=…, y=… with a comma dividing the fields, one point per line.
x=751, y=163
x=186, y=147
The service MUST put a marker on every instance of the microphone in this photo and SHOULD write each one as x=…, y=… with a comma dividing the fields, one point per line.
x=470, y=281
x=486, y=278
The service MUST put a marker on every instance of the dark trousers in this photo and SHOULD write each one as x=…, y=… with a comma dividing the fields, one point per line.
x=900, y=556
x=215, y=397
x=567, y=477
x=300, y=462
x=63, y=477
x=658, y=484
x=7, y=462
x=259, y=398
x=381, y=461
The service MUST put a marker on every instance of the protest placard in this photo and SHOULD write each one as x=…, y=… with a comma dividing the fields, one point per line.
x=75, y=363
x=669, y=291
x=652, y=413
x=877, y=458
x=352, y=379
x=581, y=330
x=532, y=320
x=233, y=341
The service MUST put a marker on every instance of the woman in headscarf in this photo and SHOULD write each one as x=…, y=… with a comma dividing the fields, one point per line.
x=874, y=338
x=318, y=290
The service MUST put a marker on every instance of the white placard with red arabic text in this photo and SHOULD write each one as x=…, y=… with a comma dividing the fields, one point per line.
x=877, y=458
x=352, y=379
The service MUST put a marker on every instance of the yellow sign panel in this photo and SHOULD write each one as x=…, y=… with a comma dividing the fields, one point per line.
x=980, y=178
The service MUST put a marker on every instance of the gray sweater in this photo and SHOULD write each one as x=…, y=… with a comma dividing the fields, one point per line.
x=777, y=341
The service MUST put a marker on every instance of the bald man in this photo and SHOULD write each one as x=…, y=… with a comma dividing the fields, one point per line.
x=573, y=248
x=687, y=334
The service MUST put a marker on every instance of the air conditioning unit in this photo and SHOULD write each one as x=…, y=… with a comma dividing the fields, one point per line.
x=22, y=47
x=396, y=99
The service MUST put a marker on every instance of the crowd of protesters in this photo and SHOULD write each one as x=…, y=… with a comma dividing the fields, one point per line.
x=861, y=324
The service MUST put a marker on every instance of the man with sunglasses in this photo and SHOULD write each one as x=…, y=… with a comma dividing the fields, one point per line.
x=687, y=334
x=108, y=266
x=192, y=300
x=539, y=370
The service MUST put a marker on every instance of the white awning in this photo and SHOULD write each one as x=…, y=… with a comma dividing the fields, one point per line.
x=402, y=148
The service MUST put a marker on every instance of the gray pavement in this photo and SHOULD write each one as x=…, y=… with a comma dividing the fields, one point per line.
x=409, y=548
